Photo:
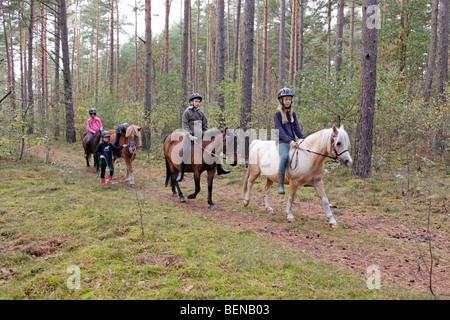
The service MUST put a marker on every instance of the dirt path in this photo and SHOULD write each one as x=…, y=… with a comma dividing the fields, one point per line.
x=398, y=249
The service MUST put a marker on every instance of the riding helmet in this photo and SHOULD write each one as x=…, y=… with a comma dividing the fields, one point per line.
x=106, y=134
x=285, y=92
x=92, y=110
x=195, y=95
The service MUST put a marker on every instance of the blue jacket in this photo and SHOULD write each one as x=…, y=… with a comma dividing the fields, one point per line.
x=288, y=130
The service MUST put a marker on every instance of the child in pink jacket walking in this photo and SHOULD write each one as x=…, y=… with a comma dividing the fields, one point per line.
x=93, y=125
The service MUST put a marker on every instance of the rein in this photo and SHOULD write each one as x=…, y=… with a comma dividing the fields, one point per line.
x=317, y=153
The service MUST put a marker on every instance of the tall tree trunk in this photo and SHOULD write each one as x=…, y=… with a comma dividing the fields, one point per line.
x=401, y=38
x=136, y=88
x=117, y=46
x=9, y=59
x=443, y=48
x=352, y=32
x=257, y=69
x=166, y=38
x=70, y=129
x=146, y=137
x=97, y=26
x=208, y=49
x=44, y=61
x=220, y=58
x=265, y=49
x=339, y=35
x=56, y=94
x=282, y=50
x=184, y=57
x=30, y=107
x=237, y=39
x=366, y=110
x=293, y=43
x=328, y=40
x=300, y=36
x=111, y=48
x=197, y=41
x=431, y=51
x=247, y=77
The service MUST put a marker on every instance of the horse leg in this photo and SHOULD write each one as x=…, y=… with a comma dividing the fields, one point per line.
x=269, y=184
x=175, y=184
x=197, y=185
x=210, y=186
x=252, y=174
x=292, y=189
x=320, y=190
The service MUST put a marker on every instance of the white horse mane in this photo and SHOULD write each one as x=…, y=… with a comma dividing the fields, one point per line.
x=133, y=130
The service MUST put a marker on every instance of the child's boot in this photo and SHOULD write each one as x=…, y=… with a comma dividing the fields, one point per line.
x=103, y=182
x=110, y=178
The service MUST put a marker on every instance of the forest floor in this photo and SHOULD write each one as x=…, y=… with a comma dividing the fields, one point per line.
x=371, y=233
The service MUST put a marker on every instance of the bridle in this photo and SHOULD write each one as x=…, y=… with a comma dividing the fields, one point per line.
x=332, y=147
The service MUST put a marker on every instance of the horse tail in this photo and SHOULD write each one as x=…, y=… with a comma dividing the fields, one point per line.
x=168, y=173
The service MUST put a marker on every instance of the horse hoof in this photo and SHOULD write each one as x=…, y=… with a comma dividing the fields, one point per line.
x=213, y=206
x=290, y=218
x=269, y=209
x=182, y=199
x=174, y=194
x=191, y=196
x=333, y=225
x=132, y=185
x=246, y=202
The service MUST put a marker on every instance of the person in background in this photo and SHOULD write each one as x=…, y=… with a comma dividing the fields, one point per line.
x=93, y=124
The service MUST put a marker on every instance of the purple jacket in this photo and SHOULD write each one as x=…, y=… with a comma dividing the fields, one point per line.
x=288, y=131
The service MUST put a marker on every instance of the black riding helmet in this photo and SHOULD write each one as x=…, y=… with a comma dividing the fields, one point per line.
x=92, y=110
x=285, y=92
x=195, y=95
x=106, y=134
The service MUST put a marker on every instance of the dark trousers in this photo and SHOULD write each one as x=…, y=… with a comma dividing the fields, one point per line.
x=116, y=141
x=103, y=169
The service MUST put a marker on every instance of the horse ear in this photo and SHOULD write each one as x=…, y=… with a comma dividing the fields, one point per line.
x=341, y=127
x=139, y=128
x=335, y=131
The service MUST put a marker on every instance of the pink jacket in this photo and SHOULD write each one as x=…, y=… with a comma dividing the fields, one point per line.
x=94, y=124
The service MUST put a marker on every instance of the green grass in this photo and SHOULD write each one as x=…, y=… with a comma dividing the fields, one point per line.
x=98, y=229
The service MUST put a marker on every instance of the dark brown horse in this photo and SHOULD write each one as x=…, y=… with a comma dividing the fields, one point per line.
x=132, y=140
x=204, y=157
x=94, y=143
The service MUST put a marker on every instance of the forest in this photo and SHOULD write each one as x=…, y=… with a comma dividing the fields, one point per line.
x=60, y=58
x=377, y=67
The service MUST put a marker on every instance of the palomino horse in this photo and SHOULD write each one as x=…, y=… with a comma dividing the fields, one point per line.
x=204, y=157
x=305, y=167
x=132, y=139
x=94, y=142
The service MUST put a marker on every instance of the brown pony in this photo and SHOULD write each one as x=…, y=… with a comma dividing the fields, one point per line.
x=132, y=139
x=94, y=143
x=208, y=150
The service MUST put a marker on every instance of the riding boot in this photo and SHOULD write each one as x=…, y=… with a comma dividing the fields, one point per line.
x=181, y=174
x=281, y=183
x=221, y=170
x=110, y=179
x=103, y=181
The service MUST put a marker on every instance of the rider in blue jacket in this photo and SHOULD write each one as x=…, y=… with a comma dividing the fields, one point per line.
x=287, y=125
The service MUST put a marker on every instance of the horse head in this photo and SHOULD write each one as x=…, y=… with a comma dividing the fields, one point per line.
x=133, y=138
x=340, y=144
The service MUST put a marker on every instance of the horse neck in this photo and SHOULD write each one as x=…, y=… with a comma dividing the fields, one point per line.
x=319, y=141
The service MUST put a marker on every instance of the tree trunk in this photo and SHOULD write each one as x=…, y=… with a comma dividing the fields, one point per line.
x=300, y=37
x=184, y=57
x=431, y=51
x=366, y=110
x=220, y=58
x=111, y=47
x=70, y=129
x=329, y=40
x=265, y=51
x=237, y=39
x=352, y=31
x=96, y=87
x=401, y=38
x=282, y=49
x=117, y=46
x=166, y=39
x=9, y=60
x=443, y=48
x=57, y=67
x=44, y=61
x=30, y=107
x=293, y=43
x=148, y=75
x=339, y=35
x=247, y=77
x=197, y=41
